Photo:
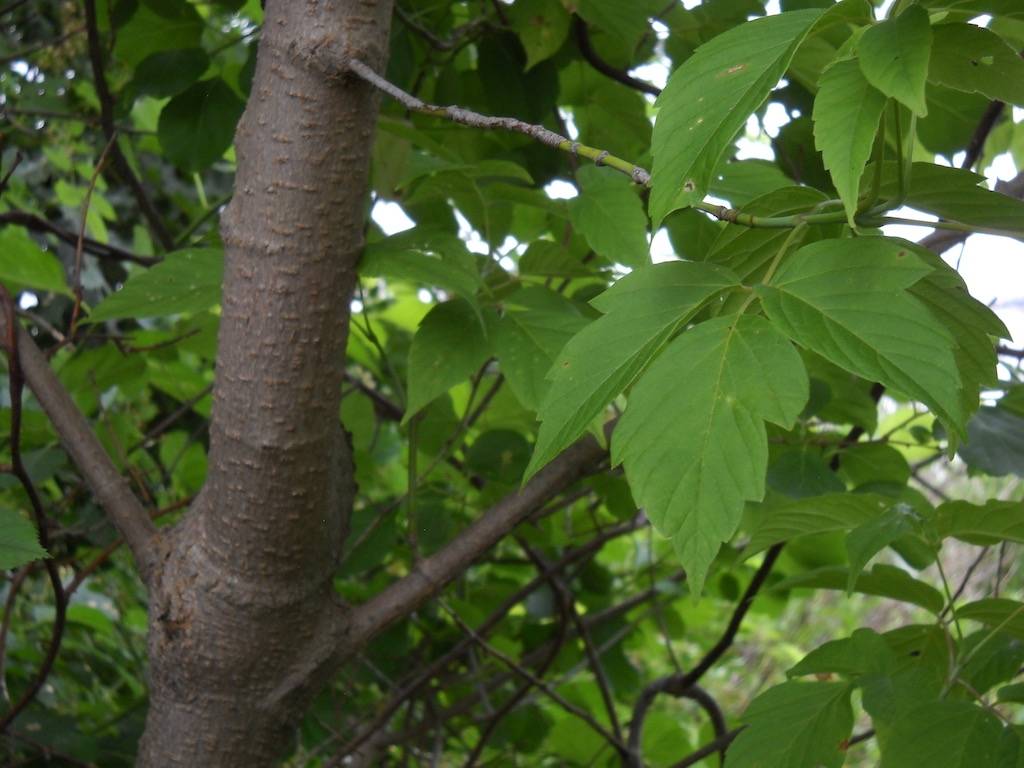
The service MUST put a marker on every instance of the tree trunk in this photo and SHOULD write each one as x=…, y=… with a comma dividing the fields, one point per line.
x=242, y=616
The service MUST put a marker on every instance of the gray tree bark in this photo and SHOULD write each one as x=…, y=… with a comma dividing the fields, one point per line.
x=242, y=615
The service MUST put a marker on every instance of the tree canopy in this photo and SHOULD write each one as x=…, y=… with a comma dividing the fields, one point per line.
x=579, y=407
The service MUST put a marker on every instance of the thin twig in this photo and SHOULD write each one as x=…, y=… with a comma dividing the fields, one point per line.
x=120, y=162
x=594, y=59
x=676, y=685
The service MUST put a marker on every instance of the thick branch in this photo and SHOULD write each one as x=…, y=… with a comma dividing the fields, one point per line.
x=79, y=440
x=432, y=574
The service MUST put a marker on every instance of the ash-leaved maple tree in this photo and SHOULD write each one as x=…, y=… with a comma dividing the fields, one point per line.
x=423, y=384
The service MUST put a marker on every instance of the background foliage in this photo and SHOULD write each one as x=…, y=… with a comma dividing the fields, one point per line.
x=797, y=379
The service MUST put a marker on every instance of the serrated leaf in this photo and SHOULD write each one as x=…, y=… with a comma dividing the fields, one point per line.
x=881, y=581
x=976, y=60
x=23, y=264
x=642, y=310
x=448, y=348
x=847, y=301
x=990, y=658
x=942, y=734
x=821, y=514
x=609, y=214
x=536, y=325
x=693, y=440
x=847, y=111
x=894, y=57
x=19, y=542
x=795, y=725
x=185, y=281
x=197, y=126
x=708, y=99
x=801, y=473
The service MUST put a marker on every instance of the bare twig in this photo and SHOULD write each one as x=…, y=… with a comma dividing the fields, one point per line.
x=476, y=120
x=17, y=385
x=94, y=247
x=79, y=440
x=594, y=59
x=678, y=684
x=120, y=162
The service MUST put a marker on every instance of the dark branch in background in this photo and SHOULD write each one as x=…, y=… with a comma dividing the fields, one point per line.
x=78, y=439
x=430, y=575
x=985, y=125
x=582, y=34
x=455, y=39
x=437, y=665
x=117, y=157
x=565, y=608
x=718, y=745
x=94, y=247
x=679, y=684
x=17, y=385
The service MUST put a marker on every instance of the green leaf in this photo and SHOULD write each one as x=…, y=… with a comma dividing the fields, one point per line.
x=642, y=310
x=894, y=57
x=167, y=73
x=708, y=99
x=870, y=538
x=995, y=442
x=435, y=259
x=942, y=734
x=846, y=300
x=609, y=214
x=197, y=126
x=19, y=542
x=795, y=725
x=693, y=440
x=1010, y=9
x=157, y=26
x=847, y=111
x=536, y=325
x=881, y=581
x=185, y=281
x=542, y=26
x=23, y=264
x=448, y=348
x=976, y=60
x=955, y=194
x=996, y=612
x=864, y=652
x=991, y=658
x=821, y=514
x=802, y=472
x=984, y=523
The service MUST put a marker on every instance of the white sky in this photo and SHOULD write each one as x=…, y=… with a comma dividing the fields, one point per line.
x=993, y=267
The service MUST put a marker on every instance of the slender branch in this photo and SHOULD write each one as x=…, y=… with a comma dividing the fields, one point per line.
x=432, y=574
x=109, y=488
x=718, y=745
x=17, y=385
x=594, y=59
x=981, y=132
x=679, y=684
x=94, y=247
x=942, y=241
x=459, y=649
x=476, y=120
x=117, y=157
